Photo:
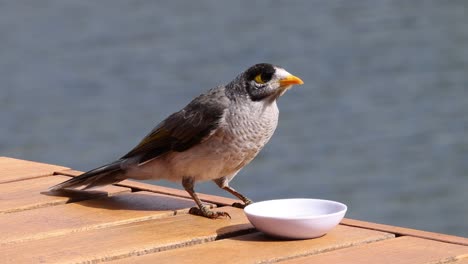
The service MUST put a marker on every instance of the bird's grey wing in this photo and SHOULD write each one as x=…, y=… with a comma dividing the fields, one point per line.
x=184, y=129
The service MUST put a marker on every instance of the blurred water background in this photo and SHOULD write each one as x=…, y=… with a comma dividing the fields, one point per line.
x=380, y=124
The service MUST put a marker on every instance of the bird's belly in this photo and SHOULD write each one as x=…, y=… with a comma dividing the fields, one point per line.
x=217, y=157
x=203, y=162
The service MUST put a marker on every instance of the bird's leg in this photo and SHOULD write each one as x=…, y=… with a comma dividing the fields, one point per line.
x=201, y=210
x=223, y=183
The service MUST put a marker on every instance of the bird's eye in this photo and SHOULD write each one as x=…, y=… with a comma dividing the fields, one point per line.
x=258, y=79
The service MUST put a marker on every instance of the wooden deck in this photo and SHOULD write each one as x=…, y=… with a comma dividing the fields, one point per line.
x=133, y=222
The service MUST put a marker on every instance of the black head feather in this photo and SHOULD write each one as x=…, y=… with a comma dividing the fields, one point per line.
x=258, y=81
x=265, y=70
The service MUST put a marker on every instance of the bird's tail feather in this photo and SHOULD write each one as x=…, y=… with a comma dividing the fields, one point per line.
x=107, y=174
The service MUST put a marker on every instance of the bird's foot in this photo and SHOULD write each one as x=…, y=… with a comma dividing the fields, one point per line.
x=208, y=213
x=242, y=205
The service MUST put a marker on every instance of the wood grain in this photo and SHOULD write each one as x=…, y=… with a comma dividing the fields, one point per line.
x=258, y=248
x=402, y=250
x=464, y=260
x=402, y=231
x=15, y=169
x=32, y=194
x=126, y=240
x=90, y=214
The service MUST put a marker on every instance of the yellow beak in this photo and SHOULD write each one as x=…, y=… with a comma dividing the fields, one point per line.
x=290, y=80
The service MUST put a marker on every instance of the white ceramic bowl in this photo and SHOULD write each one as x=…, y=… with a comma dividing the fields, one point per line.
x=295, y=218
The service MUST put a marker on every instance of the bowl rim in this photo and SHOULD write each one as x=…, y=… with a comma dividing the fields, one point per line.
x=342, y=211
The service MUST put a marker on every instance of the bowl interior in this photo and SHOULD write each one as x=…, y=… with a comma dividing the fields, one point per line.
x=295, y=208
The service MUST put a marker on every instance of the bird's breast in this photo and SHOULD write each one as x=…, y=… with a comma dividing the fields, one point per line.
x=246, y=131
x=251, y=124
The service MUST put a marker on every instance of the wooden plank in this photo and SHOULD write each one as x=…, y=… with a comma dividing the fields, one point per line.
x=402, y=231
x=15, y=169
x=90, y=214
x=32, y=193
x=402, y=250
x=218, y=200
x=258, y=248
x=126, y=240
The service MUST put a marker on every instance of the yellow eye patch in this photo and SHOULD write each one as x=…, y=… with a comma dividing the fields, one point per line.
x=258, y=79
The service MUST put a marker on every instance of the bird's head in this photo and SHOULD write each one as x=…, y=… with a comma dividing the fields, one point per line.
x=264, y=80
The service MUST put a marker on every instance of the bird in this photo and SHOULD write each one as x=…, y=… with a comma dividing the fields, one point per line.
x=212, y=138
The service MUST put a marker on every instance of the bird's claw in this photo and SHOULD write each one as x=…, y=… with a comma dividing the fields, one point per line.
x=242, y=205
x=239, y=205
x=207, y=213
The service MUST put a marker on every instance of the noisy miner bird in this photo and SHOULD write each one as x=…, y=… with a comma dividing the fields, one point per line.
x=212, y=138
